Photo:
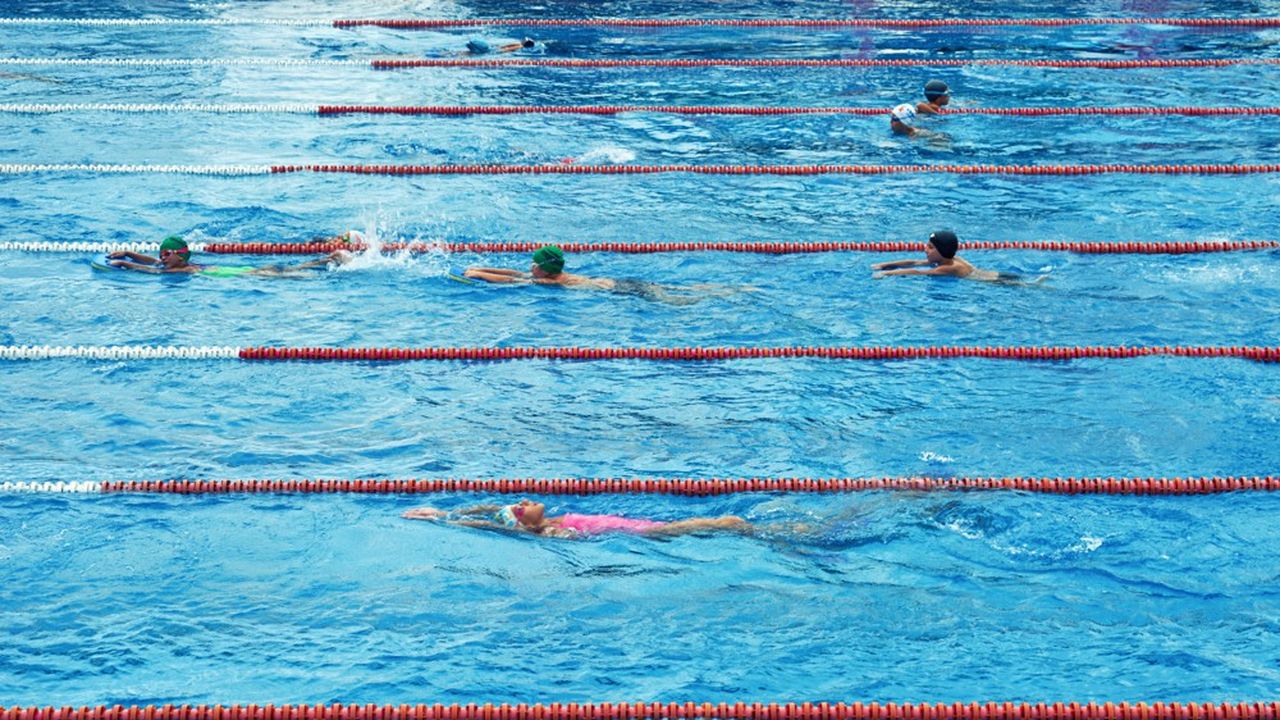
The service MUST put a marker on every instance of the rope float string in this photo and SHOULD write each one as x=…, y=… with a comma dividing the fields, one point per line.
x=563, y=169
x=632, y=248
x=450, y=110
x=694, y=487
x=869, y=23
x=393, y=64
x=446, y=23
x=667, y=711
x=659, y=354
x=759, y=110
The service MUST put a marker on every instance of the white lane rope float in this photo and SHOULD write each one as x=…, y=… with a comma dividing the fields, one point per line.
x=34, y=168
x=46, y=108
x=184, y=62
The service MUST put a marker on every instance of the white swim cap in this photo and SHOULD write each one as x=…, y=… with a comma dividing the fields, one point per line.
x=904, y=113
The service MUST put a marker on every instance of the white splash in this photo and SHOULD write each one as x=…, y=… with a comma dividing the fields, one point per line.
x=607, y=155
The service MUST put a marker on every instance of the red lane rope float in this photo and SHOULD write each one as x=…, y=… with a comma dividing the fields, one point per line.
x=704, y=487
x=668, y=711
x=562, y=169
x=762, y=110
x=392, y=64
x=768, y=248
x=931, y=352
x=885, y=23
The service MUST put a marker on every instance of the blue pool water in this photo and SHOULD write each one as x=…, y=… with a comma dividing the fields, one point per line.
x=891, y=596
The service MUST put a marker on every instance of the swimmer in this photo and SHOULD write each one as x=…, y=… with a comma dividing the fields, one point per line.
x=477, y=46
x=548, y=269
x=937, y=95
x=528, y=516
x=941, y=259
x=175, y=257
x=900, y=119
x=346, y=238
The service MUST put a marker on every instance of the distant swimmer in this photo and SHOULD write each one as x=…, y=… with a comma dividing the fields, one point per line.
x=528, y=516
x=479, y=46
x=548, y=269
x=175, y=257
x=941, y=259
x=937, y=95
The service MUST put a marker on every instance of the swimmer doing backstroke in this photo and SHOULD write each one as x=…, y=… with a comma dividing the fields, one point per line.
x=528, y=516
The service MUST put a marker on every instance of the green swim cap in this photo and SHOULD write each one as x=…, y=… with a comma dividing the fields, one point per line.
x=173, y=242
x=550, y=259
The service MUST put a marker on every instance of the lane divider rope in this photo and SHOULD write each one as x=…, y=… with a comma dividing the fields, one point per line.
x=668, y=711
x=573, y=169
x=182, y=62
x=404, y=63
x=450, y=110
x=632, y=248
x=695, y=487
x=662, y=354
x=446, y=23
x=107, y=168
x=870, y=23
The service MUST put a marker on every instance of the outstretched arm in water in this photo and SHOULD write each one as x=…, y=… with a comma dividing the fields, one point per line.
x=496, y=275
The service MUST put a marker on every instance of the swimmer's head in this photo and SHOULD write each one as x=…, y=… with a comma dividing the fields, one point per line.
x=174, y=246
x=526, y=43
x=937, y=92
x=943, y=242
x=527, y=513
x=549, y=260
x=904, y=113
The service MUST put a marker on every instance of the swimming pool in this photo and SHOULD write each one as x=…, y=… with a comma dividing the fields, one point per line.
x=935, y=597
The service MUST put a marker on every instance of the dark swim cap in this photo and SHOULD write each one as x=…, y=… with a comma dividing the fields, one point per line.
x=173, y=242
x=945, y=242
x=527, y=42
x=550, y=259
x=935, y=89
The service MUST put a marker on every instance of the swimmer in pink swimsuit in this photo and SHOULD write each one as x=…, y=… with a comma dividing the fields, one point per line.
x=530, y=516
x=597, y=524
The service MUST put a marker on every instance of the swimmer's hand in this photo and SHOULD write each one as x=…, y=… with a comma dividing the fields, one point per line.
x=424, y=513
x=117, y=263
x=116, y=255
x=879, y=275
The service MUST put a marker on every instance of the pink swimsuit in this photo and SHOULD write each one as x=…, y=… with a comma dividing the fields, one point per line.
x=596, y=524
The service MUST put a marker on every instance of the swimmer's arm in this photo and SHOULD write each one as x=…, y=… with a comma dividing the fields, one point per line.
x=478, y=510
x=136, y=257
x=430, y=513
x=895, y=264
x=496, y=275
x=486, y=524
x=141, y=268
x=940, y=270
